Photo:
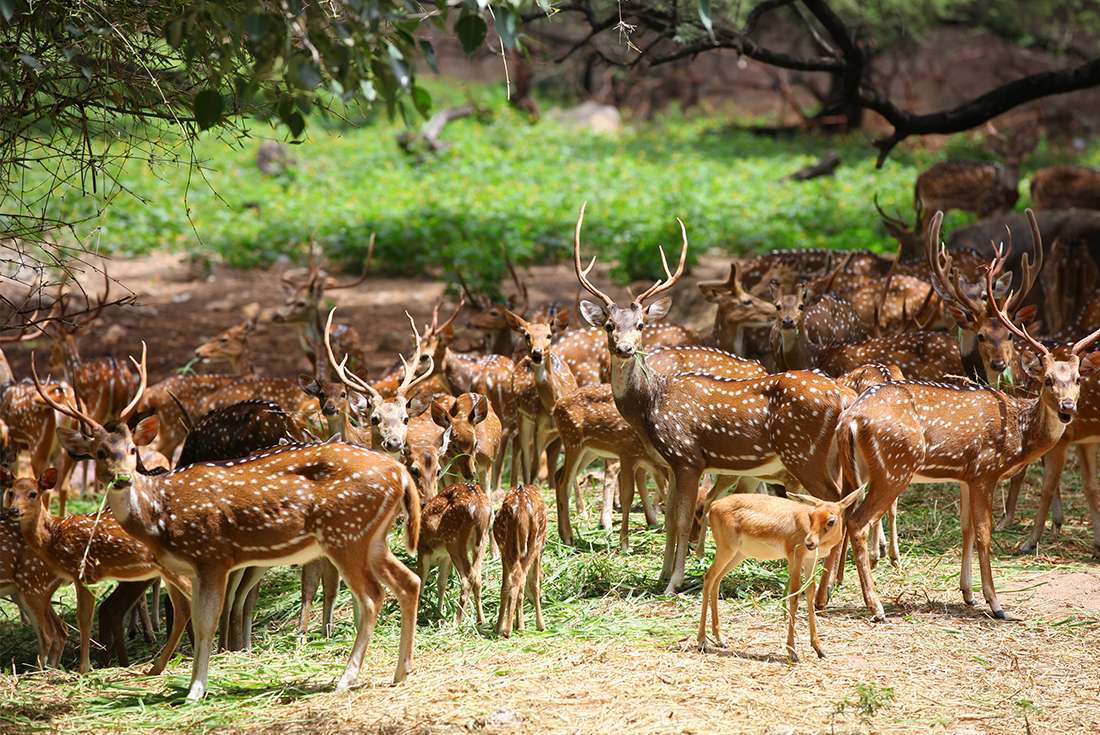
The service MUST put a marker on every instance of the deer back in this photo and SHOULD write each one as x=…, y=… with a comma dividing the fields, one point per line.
x=520, y=525
x=238, y=430
x=1066, y=187
x=458, y=514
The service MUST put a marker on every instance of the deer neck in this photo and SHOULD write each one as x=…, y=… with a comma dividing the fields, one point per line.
x=242, y=364
x=6, y=375
x=636, y=388
x=1040, y=427
x=500, y=342
x=137, y=507
x=457, y=371
x=39, y=534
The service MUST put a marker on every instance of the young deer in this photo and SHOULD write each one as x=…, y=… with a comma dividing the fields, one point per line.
x=283, y=506
x=902, y=432
x=777, y=427
x=231, y=345
x=25, y=577
x=84, y=549
x=801, y=330
x=453, y=529
x=1065, y=187
x=738, y=311
x=520, y=533
x=755, y=526
x=475, y=434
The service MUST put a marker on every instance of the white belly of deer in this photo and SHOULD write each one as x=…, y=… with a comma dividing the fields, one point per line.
x=766, y=469
x=755, y=548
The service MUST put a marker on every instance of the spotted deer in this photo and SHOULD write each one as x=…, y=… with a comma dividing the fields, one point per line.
x=27, y=579
x=85, y=549
x=286, y=505
x=800, y=529
x=699, y=423
x=908, y=431
x=302, y=307
x=453, y=529
x=985, y=344
x=584, y=350
x=738, y=311
x=1065, y=187
x=986, y=189
x=921, y=355
x=231, y=345
x=475, y=436
x=520, y=532
x=802, y=329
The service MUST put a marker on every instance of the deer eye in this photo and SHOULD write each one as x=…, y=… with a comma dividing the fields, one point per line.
x=609, y=326
x=1049, y=381
x=374, y=419
x=746, y=302
x=33, y=494
x=415, y=472
x=830, y=523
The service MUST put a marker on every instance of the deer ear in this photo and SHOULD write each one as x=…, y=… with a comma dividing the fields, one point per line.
x=1002, y=284
x=1026, y=314
x=1032, y=365
x=775, y=289
x=417, y=406
x=75, y=443
x=480, y=410
x=48, y=479
x=445, y=441
x=513, y=320
x=808, y=499
x=146, y=431
x=593, y=313
x=440, y=416
x=658, y=310
x=851, y=498
x=309, y=385
x=714, y=294
x=561, y=320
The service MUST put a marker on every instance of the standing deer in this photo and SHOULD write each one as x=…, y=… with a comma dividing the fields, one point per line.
x=1065, y=187
x=284, y=506
x=778, y=427
x=454, y=526
x=902, y=432
x=520, y=533
x=475, y=434
x=738, y=310
x=26, y=578
x=754, y=526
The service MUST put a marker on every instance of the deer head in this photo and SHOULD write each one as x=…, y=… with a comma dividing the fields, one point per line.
x=736, y=304
x=459, y=416
x=790, y=309
x=28, y=498
x=231, y=345
x=825, y=527
x=537, y=335
x=304, y=294
x=623, y=324
x=389, y=418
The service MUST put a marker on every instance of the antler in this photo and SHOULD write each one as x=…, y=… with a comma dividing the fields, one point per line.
x=436, y=327
x=521, y=286
x=143, y=374
x=890, y=221
x=730, y=282
x=1031, y=263
x=410, y=379
x=945, y=276
x=332, y=285
x=1020, y=331
x=347, y=377
x=70, y=411
x=670, y=278
x=582, y=273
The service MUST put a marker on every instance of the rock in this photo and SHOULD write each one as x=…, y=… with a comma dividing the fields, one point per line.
x=500, y=718
x=781, y=730
x=593, y=117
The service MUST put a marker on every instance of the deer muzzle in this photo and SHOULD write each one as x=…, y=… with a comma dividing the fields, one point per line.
x=1067, y=409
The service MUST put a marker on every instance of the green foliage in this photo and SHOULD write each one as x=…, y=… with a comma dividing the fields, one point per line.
x=870, y=699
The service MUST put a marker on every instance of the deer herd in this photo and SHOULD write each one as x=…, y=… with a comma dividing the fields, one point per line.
x=832, y=382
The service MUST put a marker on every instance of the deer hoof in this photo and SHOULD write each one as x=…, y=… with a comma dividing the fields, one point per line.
x=1026, y=547
x=1000, y=615
x=792, y=656
x=820, y=653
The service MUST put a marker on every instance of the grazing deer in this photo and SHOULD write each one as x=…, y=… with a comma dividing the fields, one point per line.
x=284, y=506
x=985, y=189
x=738, y=311
x=1065, y=187
x=520, y=533
x=902, y=432
x=26, y=578
x=701, y=423
x=585, y=352
x=475, y=433
x=85, y=549
x=985, y=344
x=755, y=526
x=231, y=345
x=303, y=308
x=453, y=529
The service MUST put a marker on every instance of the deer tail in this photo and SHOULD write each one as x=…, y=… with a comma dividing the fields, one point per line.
x=846, y=430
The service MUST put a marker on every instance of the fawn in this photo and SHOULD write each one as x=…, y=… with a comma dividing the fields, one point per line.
x=520, y=533
x=453, y=529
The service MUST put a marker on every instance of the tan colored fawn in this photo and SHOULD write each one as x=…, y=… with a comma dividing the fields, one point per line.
x=454, y=528
x=520, y=532
x=85, y=549
x=283, y=506
x=800, y=529
x=777, y=427
x=903, y=432
x=231, y=345
x=27, y=578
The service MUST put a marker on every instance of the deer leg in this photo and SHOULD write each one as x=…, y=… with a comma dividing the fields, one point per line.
x=794, y=583
x=311, y=580
x=225, y=617
x=1015, y=484
x=641, y=482
x=406, y=588
x=811, y=612
x=112, y=615
x=981, y=510
x=534, y=589
x=477, y=552
x=1054, y=462
x=626, y=500
x=330, y=582
x=240, y=625
x=574, y=459
x=553, y=451
x=833, y=568
x=461, y=564
x=607, y=508
x=966, y=580
x=498, y=464
x=154, y=608
x=40, y=612
x=724, y=559
x=856, y=526
x=1086, y=455
x=687, y=491
x=209, y=594
x=181, y=613
x=442, y=579
x=85, y=608
x=895, y=547
x=369, y=595
x=248, y=615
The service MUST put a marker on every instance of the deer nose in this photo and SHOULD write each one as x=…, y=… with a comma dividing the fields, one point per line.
x=998, y=365
x=536, y=356
x=391, y=445
x=328, y=409
x=788, y=323
x=1067, y=405
x=811, y=545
